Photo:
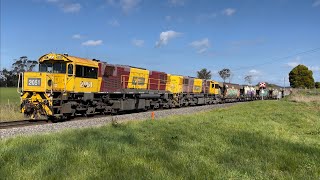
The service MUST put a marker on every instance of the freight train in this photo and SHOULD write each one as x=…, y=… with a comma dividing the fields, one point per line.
x=66, y=86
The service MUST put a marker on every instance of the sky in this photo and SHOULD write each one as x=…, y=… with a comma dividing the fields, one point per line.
x=265, y=38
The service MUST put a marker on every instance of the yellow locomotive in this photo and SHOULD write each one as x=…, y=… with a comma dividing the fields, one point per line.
x=67, y=85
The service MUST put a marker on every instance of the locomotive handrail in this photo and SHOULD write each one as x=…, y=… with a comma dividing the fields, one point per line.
x=18, y=83
x=65, y=83
x=161, y=82
x=123, y=82
x=20, y=75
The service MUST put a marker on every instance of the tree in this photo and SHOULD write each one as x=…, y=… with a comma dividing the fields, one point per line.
x=301, y=77
x=248, y=79
x=317, y=84
x=225, y=74
x=23, y=64
x=204, y=74
x=9, y=78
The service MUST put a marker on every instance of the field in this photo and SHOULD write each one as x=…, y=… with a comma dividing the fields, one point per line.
x=9, y=104
x=257, y=140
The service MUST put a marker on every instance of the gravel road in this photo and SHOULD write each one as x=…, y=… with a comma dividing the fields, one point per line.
x=102, y=120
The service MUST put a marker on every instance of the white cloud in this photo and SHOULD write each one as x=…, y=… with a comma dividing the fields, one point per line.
x=126, y=5
x=176, y=2
x=92, y=43
x=254, y=72
x=201, y=45
x=166, y=36
x=212, y=15
x=173, y=19
x=314, y=68
x=256, y=75
x=316, y=3
x=114, y=23
x=70, y=8
x=137, y=42
x=77, y=36
x=168, y=18
x=229, y=11
x=65, y=6
x=129, y=5
x=295, y=62
x=292, y=64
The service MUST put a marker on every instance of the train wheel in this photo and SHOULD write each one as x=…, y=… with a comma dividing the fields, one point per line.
x=114, y=112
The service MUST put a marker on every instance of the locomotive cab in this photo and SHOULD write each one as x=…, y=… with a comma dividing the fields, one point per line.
x=52, y=75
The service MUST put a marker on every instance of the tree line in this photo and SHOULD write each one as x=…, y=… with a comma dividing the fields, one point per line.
x=299, y=77
x=225, y=74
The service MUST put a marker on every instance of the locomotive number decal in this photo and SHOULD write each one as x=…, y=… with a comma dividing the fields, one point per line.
x=34, y=81
x=85, y=84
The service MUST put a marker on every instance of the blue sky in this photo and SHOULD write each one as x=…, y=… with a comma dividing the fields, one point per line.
x=175, y=36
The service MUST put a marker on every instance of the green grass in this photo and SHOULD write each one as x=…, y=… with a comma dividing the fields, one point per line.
x=9, y=104
x=257, y=140
x=9, y=95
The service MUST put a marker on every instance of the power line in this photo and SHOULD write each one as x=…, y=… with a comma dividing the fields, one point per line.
x=277, y=59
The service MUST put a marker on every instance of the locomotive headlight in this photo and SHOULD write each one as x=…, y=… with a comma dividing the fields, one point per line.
x=49, y=82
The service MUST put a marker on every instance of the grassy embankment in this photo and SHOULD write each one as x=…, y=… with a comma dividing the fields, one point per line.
x=9, y=104
x=258, y=140
x=305, y=95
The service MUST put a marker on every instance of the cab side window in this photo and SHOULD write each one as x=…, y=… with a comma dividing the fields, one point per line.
x=70, y=69
x=86, y=72
x=79, y=71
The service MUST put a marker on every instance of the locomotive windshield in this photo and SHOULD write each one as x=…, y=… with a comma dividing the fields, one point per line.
x=53, y=67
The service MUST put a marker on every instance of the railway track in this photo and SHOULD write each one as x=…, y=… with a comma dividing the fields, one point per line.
x=34, y=127
x=21, y=123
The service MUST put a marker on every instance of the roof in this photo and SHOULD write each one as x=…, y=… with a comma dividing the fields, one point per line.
x=64, y=57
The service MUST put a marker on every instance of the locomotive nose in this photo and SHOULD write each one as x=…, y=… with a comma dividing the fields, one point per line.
x=36, y=105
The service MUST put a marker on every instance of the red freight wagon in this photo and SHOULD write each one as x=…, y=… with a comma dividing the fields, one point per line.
x=157, y=80
x=206, y=86
x=114, y=77
x=188, y=84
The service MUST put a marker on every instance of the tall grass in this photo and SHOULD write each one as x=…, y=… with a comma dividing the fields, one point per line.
x=10, y=112
x=305, y=95
x=256, y=140
x=9, y=105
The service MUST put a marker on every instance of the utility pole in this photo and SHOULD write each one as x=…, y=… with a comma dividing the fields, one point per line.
x=284, y=86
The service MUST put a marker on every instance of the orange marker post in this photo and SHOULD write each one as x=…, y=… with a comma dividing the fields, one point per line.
x=152, y=115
